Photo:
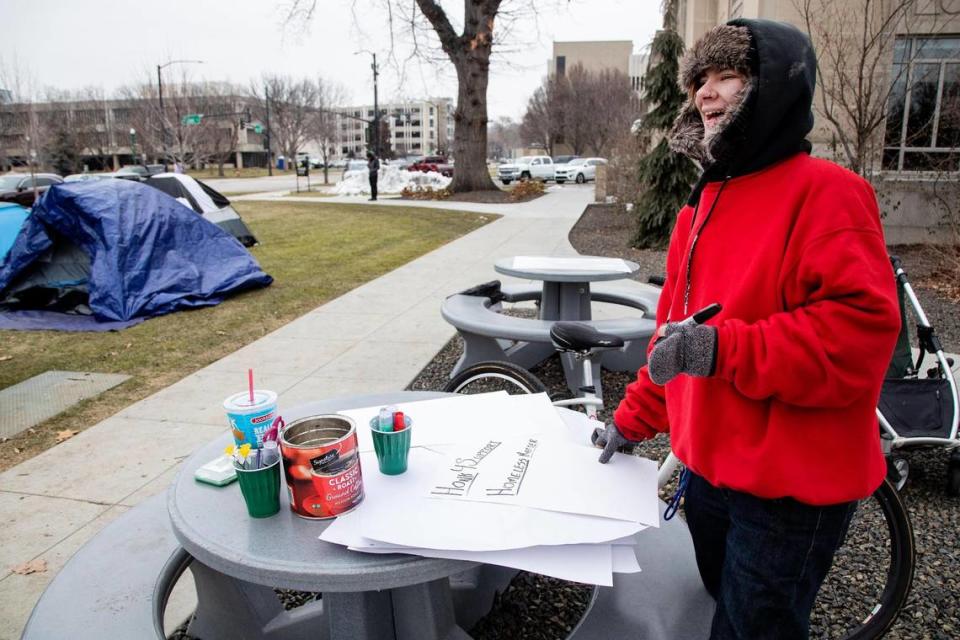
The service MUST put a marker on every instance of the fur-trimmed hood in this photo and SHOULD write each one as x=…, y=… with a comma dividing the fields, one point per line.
x=774, y=115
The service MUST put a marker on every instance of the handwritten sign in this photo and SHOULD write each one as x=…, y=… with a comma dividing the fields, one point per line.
x=543, y=474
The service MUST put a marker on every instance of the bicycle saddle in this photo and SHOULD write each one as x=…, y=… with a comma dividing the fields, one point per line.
x=575, y=336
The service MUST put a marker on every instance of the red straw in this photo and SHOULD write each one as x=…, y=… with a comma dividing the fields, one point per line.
x=250, y=383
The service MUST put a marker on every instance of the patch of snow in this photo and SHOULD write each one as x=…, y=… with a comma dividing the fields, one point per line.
x=390, y=180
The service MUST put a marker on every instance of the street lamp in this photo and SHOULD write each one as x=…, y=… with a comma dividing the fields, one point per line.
x=133, y=144
x=163, y=127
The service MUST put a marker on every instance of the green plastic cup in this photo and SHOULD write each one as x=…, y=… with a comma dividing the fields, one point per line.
x=392, y=449
x=260, y=489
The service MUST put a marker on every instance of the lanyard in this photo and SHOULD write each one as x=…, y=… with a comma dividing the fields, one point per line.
x=693, y=245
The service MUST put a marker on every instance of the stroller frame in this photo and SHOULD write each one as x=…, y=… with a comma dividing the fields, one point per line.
x=929, y=343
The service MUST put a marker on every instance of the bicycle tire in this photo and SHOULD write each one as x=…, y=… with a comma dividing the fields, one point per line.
x=495, y=375
x=899, y=557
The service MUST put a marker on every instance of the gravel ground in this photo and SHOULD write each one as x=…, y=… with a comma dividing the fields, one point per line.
x=538, y=608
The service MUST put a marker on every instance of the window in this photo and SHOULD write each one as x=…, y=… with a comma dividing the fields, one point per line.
x=561, y=66
x=923, y=113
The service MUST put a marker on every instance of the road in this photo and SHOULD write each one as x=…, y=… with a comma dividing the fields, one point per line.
x=270, y=183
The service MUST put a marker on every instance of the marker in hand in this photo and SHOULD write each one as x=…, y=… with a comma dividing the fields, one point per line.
x=698, y=317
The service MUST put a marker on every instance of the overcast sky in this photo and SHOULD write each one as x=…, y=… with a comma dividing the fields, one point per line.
x=109, y=43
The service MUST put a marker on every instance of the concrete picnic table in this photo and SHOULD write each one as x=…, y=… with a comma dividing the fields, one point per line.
x=565, y=295
x=566, y=280
x=236, y=561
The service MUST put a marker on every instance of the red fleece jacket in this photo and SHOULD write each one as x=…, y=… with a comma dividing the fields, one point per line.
x=796, y=256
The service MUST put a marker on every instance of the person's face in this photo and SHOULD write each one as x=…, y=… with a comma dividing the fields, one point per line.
x=717, y=92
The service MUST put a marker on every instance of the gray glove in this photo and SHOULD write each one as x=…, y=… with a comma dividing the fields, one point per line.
x=610, y=438
x=685, y=348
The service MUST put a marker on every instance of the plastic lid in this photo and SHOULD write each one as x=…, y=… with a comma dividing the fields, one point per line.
x=240, y=402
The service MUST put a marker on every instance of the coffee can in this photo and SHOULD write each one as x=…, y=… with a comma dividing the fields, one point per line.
x=321, y=464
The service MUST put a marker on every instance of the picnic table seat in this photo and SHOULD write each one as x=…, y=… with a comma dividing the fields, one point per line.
x=490, y=335
x=117, y=584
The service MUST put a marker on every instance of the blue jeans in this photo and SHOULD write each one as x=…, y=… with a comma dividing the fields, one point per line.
x=762, y=560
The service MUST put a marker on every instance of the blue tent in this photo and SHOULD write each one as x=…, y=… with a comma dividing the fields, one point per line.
x=107, y=254
x=11, y=219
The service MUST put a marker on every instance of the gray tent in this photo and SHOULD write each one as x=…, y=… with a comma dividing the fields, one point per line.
x=206, y=201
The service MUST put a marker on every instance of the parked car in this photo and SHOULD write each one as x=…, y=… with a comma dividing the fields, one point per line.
x=86, y=177
x=138, y=172
x=18, y=187
x=407, y=162
x=314, y=161
x=563, y=159
x=438, y=164
x=580, y=170
x=527, y=168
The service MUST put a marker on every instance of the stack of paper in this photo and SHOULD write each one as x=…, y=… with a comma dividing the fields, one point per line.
x=503, y=480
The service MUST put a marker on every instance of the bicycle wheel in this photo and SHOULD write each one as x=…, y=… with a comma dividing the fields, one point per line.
x=486, y=377
x=872, y=572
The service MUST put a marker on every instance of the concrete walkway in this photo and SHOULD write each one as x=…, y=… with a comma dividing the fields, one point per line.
x=373, y=339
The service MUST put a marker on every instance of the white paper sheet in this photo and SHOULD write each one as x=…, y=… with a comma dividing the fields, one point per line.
x=586, y=563
x=467, y=417
x=396, y=511
x=543, y=473
x=624, y=559
x=571, y=264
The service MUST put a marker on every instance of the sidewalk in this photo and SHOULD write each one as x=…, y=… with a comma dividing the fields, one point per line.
x=375, y=338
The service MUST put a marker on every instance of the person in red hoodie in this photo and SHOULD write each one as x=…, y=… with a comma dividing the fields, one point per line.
x=770, y=404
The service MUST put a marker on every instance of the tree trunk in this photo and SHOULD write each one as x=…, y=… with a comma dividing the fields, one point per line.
x=470, y=142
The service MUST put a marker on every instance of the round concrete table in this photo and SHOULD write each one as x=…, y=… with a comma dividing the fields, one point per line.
x=566, y=281
x=239, y=559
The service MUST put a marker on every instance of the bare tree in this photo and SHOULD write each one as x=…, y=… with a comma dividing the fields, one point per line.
x=543, y=121
x=217, y=133
x=579, y=111
x=469, y=51
x=584, y=109
x=92, y=125
x=502, y=136
x=292, y=110
x=612, y=106
x=322, y=127
x=854, y=43
x=28, y=131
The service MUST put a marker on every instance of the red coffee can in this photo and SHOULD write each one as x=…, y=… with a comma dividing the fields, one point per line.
x=322, y=465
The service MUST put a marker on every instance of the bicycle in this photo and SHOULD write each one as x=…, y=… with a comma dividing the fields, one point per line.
x=879, y=545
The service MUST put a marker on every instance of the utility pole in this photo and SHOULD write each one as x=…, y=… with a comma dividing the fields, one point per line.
x=376, y=110
x=266, y=98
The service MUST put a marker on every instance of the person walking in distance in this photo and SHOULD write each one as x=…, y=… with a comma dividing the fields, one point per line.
x=373, y=169
x=770, y=404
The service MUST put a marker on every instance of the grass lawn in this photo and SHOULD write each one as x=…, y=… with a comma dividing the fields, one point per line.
x=314, y=251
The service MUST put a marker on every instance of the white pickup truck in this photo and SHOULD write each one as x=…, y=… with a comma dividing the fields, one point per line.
x=527, y=168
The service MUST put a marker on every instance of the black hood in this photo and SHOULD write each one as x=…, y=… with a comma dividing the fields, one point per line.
x=775, y=116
